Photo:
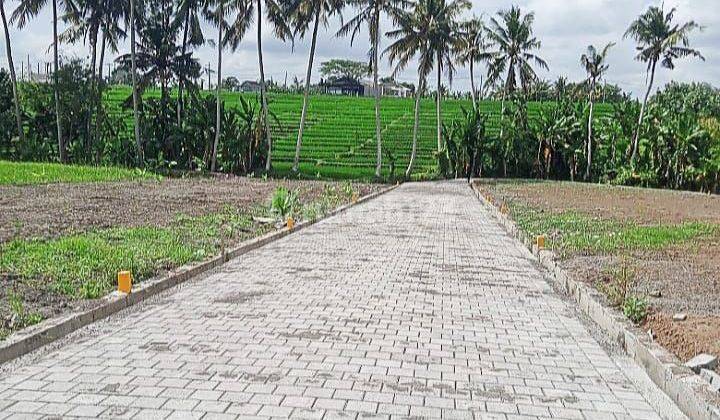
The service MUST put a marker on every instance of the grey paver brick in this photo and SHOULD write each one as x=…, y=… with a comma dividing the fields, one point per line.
x=308, y=413
x=151, y=414
x=330, y=404
x=185, y=415
x=212, y=406
x=275, y=411
x=180, y=404
x=297, y=402
x=244, y=409
x=86, y=411
x=25, y=407
x=361, y=406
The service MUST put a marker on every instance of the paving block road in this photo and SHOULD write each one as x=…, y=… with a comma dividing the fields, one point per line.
x=414, y=305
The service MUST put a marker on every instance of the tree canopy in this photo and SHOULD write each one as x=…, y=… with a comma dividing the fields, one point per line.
x=339, y=68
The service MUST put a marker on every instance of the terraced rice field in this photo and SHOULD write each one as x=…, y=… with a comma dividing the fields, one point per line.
x=339, y=138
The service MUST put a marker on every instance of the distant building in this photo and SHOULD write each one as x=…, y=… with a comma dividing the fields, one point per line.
x=342, y=86
x=389, y=88
x=250, y=86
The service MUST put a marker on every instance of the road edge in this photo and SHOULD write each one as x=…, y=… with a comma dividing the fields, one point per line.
x=689, y=391
x=50, y=330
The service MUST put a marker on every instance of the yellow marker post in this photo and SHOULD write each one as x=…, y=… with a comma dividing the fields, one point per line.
x=290, y=222
x=355, y=198
x=540, y=241
x=124, y=282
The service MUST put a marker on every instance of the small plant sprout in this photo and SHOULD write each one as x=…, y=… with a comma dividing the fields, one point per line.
x=21, y=318
x=636, y=309
x=617, y=290
x=284, y=202
x=348, y=190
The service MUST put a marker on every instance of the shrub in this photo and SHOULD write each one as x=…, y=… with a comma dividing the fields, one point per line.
x=8, y=128
x=618, y=288
x=284, y=202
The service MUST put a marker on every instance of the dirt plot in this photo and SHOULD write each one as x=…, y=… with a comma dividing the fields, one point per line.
x=676, y=278
x=624, y=203
x=47, y=211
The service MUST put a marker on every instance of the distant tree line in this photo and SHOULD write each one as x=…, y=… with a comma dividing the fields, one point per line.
x=191, y=130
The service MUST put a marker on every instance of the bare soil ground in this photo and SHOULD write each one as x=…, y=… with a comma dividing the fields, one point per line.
x=47, y=211
x=624, y=203
x=687, y=276
x=55, y=210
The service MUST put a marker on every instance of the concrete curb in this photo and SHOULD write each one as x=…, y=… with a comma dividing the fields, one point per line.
x=32, y=338
x=689, y=391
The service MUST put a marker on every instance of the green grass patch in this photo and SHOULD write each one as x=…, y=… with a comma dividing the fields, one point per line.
x=572, y=232
x=85, y=265
x=26, y=173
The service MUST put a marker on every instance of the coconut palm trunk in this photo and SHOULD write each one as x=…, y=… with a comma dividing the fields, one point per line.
x=636, y=138
x=413, y=153
x=98, y=103
x=437, y=105
x=376, y=87
x=473, y=93
x=263, y=89
x=588, y=169
x=136, y=96
x=93, y=85
x=181, y=83
x=62, y=153
x=502, y=119
x=13, y=76
x=303, y=115
x=218, y=109
x=502, y=133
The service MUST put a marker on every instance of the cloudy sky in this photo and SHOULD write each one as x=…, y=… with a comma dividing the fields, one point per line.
x=564, y=27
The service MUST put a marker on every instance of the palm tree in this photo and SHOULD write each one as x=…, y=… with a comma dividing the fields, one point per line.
x=157, y=57
x=217, y=17
x=560, y=86
x=370, y=12
x=84, y=24
x=276, y=13
x=595, y=65
x=412, y=39
x=26, y=10
x=658, y=38
x=473, y=49
x=441, y=17
x=305, y=13
x=87, y=20
x=114, y=13
x=13, y=76
x=189, y=14
x=230, y=33
x=513, y=38
x=135, y=94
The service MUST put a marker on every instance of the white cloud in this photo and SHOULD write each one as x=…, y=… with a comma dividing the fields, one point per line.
x=564, y=27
